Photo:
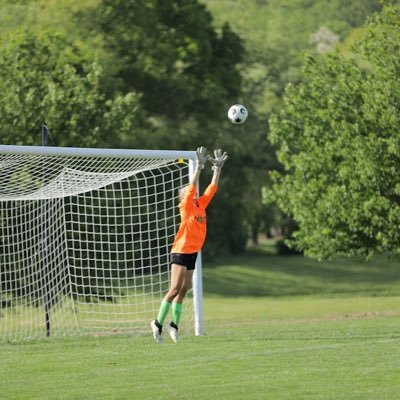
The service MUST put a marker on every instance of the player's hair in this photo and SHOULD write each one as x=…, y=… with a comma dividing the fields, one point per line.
x=181, y=191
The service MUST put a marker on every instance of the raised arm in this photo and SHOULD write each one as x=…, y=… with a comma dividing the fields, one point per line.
x=201, y=155
x=218, y=161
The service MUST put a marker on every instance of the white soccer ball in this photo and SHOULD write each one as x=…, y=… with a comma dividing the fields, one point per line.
x=237, y=114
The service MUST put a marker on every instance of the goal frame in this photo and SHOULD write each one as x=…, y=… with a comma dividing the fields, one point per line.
x=190, y=156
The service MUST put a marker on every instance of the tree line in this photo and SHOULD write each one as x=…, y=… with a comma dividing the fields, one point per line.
x=150, y=74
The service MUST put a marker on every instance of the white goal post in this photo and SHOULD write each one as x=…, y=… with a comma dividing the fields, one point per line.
x=85, y=236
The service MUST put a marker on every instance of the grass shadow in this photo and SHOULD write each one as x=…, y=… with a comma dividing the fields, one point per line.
x=259, y=272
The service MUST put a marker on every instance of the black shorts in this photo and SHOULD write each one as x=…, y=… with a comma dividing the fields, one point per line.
x=187, y=260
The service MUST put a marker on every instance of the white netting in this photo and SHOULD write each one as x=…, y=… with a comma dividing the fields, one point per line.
x=84, y=243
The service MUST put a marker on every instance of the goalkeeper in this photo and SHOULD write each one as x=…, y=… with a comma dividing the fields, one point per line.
x=188, y=242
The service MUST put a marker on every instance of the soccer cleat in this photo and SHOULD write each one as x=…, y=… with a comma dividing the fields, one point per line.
x=156, y=332
x=173, y=332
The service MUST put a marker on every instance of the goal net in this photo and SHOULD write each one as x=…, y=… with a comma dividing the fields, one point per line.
x=85, y=236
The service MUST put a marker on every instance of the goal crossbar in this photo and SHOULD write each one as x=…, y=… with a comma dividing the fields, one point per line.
x=93, y=152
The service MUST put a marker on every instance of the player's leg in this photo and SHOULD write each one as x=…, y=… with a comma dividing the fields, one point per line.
x=177, y=278
x=172, y=328
x=178, y=300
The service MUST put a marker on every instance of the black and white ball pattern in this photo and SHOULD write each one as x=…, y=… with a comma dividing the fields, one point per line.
x=237, y=114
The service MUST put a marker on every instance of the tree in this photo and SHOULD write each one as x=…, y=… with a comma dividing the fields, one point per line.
x=45, y=78
x=187, y=75
x=338, y=136
x=170, y=52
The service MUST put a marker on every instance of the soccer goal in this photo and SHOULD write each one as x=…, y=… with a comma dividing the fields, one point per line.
x=85, y=236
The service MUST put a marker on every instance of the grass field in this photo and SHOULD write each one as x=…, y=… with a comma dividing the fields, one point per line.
x=276, y=328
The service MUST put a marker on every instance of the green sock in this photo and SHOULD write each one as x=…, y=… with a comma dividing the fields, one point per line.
x=163, y=311
x=176, y=313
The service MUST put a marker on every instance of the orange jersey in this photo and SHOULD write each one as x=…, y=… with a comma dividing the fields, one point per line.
x=193, y=229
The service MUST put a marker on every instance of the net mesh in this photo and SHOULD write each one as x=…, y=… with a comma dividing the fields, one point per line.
x=84, y=243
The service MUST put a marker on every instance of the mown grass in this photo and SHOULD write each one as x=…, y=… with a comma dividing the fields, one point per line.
x=301, y=359
x=332, y=333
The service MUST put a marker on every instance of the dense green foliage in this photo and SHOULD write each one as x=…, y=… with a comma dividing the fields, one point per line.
x=186, y=73
x=171, y=54
x=45, y=78
x=276, y=35
x=162, y=75
x=338, y=137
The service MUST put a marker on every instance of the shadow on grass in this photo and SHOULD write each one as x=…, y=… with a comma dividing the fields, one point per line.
x=258, y=273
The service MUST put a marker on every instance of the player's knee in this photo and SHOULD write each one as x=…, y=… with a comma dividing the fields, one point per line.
x=173, y=292
x=183, y=291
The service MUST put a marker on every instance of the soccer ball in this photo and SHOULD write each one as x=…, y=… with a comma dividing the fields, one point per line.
x=237, y=114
